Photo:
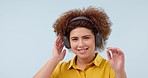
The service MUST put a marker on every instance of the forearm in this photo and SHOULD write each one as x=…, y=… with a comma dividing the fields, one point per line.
x=121, y=74
x=47, y=69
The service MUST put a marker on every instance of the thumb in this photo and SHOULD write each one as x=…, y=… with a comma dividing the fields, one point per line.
x=62, y=54
x=108, y=55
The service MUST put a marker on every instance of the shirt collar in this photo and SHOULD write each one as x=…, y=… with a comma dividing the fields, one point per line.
x=72, y=63
x=97, y=61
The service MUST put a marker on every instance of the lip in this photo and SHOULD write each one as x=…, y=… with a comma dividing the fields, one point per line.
x=82, y=51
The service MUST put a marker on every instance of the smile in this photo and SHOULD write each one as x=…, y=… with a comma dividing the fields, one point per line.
x=82, y=51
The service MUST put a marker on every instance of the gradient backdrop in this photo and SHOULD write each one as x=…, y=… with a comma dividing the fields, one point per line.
x=27, y=37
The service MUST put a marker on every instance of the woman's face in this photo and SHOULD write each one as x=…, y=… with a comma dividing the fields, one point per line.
x=82, y=42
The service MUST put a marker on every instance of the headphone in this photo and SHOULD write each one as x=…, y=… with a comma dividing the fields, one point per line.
x=98, y=37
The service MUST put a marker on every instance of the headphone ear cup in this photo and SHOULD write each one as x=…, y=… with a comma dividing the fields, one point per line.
x=99, y=39
x=66, y=42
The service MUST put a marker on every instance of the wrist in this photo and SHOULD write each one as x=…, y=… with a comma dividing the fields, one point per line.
x=121, y=74
x=55, y=60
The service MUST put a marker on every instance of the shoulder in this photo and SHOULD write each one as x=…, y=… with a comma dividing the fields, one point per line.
x=105, y=62
x=100, y=61
x=60, y=68
x=106, y=66
x=63, y=66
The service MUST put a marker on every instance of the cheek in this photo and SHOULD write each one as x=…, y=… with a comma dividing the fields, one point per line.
x=91, y=43
x=73, y=47
x=72, y=44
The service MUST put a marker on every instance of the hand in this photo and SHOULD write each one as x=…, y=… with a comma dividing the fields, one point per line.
x=116, y=60
x=58, y=52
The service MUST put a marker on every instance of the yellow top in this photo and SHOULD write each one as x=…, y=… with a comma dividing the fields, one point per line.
x=98, y=68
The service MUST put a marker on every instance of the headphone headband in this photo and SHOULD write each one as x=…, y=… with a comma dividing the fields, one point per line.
x=80, y=18
x=83, y=18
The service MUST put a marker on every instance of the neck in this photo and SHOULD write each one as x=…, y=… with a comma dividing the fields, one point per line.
x=82, y=62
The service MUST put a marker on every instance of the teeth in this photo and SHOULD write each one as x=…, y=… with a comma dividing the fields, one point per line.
x=82, y=49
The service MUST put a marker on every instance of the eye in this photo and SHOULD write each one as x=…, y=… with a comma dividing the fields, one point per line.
x=86, y=37
x=74, y=39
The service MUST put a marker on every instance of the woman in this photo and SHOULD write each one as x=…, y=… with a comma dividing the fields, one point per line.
x=84, y=32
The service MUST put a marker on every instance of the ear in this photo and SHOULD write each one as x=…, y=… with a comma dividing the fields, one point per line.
x=66, y=42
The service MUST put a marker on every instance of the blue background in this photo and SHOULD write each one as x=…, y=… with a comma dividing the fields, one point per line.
x=27, y=37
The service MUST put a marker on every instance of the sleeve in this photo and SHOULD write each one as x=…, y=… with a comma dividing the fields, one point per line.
x=112, y=74
x=56, y=71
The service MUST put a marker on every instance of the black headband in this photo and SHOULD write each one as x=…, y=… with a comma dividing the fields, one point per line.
x=80, y=18
x=83, y=18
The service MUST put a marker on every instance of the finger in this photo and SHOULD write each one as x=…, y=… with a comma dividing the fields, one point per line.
x=56, y=41
x=112, y=51
x=58, y=44
x=108, y=55
x=61, y=47
x=59, y=41
x=115, y=51
x=121, y=54
x=64, y=52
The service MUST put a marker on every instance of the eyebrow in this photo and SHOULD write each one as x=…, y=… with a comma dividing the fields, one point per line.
x=82, y=36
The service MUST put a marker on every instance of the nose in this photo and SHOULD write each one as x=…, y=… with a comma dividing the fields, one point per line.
x=80, y=43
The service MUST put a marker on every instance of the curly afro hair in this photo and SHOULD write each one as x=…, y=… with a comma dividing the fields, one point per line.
x=99, y=23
